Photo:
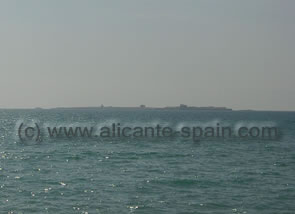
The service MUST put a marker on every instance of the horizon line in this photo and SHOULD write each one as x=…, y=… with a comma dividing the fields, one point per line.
x=201, y=108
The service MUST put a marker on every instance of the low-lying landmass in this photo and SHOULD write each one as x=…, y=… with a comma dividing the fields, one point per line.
x=180, y=107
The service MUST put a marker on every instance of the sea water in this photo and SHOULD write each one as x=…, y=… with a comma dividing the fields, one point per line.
x=146, y=175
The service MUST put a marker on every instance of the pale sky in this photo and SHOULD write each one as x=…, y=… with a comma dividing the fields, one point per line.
x=233, y=53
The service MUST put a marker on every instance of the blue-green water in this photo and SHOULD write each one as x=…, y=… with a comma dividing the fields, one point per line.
x=146, y=175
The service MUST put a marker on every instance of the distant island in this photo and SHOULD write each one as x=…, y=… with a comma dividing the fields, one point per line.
x=180, y=107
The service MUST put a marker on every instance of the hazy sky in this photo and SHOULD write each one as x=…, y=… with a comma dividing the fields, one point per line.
x=238, y=54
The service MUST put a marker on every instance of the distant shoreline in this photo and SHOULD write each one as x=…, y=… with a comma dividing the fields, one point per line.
x=176, y=108
x=143, y=107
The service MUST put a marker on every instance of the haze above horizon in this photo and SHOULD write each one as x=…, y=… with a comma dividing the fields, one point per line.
x=238, y=54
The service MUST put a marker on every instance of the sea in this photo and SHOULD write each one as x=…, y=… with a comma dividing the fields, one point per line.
x=43, y=174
